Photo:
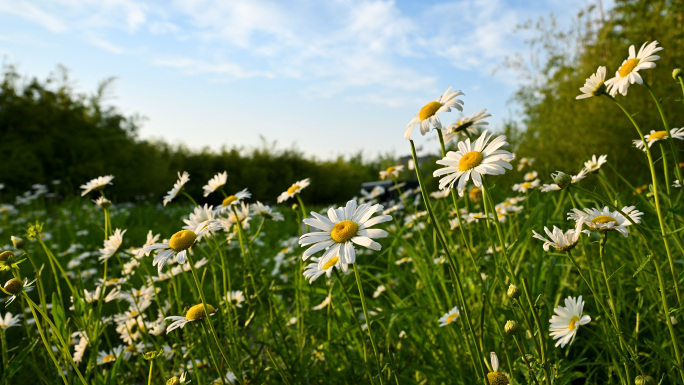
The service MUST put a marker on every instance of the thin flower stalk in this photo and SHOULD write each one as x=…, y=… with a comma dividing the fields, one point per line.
x=542, y=343
x=527, y=363
x=366, y=317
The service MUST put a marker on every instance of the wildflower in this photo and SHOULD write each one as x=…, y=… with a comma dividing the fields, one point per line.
x=560, y=241
x=495, y=377
x=512, y=328
x=656, y=136
x=567, y=320
x=465, y=125
x=9, y=320
x=103, y=202
x=177, y=187
x=111, y=245
x=476, y=159
x=606, y=220
x=17, y=242
x=530, y=176
x=344, y=227
x=391, y=172
x=215, y=183
x=96, y=184
x=376, y=192
x=378, y=292
x=177, y=247
x=178, y=381
x=677, y=73
x=314, y=270
x=644, y=380
x=526, y=186
x=628, y=73
x=573, y=179
x=525, y=162
x=14, y=287
x=323, y=304
x=513, y=291
x=293, y=190
x=427, y=115
x=475, y=194
x=232, y=200
x=450, y=317
x=105, y=358
x=594, y=85
x=266, y=212
x=200, y=215
x=235, y=298
x=440, y=194
x=594, y=164
x=193, y=314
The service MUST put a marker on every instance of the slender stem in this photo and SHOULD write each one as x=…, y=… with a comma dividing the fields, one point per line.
x=275, y=363
x=368, y=321
x=149, y=376
x=529, y=368
x=487, y=197
x=48, y=347
x=542, y=344
x=667, y=130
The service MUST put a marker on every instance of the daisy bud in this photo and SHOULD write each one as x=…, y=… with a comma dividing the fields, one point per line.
x=19, y=243
x=14, y=286
x=644, y=380
x=677, y=73
x=512, y=328
x=173, y=381
x=5, y=255
x=562, y=179
x=295, y=207
x=513, y=291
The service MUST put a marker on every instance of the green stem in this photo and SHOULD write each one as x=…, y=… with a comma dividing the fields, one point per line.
x=368, y=321
x=48, y=347
x=149, y=376
x=529, y=368
x=678, y=171
x=542, y=343
x=499, y=231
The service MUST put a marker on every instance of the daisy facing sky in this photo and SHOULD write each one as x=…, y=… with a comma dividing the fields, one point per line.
x=427, y=116
x=465, y=126
x=628, y=73
x=606, y=220
x=177, y=187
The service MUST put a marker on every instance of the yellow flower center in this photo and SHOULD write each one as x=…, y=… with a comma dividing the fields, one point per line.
x=331, y=263
x=390, y=169
x=429, y=110
x=109, y=358
x=525, y=185
x=658, y=135
x=196, y=312
x=627, y=68
x=182, y=240
x=604, y=219
x=344, y=231
x=462, y=124
x=173, y=381
x=229, y=200
x=573, y=323
x=497, y=378
x=451, y=318
x=470, y=160
x=293, y=189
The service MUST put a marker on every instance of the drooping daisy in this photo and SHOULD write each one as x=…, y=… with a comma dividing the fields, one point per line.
x=105, y=357
x=559, y=240
x=266, y=212
x=215, y=183
x=567, y=320
x=96, y=184
x=594, y=164
x=193, y=314
x=178, y=245
x=391, y=172
x=177, y=187
x=111, y=245
x=293, y=190
x=314, y=270
x=476, y=159
x=8, y=320
x=575, y=178
x=427, y=116
x=14, y=287
x=606, y=220
x=465, y=125
x=235, y=298
x=628, y=73
x=450, y=317
x=655, y=136
x=344, y=227
x=594, y=85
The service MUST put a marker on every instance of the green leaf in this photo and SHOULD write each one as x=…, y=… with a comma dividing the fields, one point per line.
x=662, y=353
x=643, y=264
x=59, y=316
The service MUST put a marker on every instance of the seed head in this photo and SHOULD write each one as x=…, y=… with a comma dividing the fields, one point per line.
x=6, y=255
x=644, y=380
x=14, y=286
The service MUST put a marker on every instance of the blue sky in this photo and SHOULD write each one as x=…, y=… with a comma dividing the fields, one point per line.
x=329, y=77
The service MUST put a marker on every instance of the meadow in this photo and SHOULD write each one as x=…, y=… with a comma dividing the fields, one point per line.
x=567, y=278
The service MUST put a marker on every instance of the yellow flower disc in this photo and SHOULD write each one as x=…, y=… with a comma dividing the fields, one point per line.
x=390, y=169
x=109, y=358
x=293, y=189
x=429, y=110
x=658, y=135
x=627, y=68
x=497, y=378
x=331, y=263
x=573, y=323
x=451, y=318
x=196, y=312
x=470, y=160
x=604, y=219
x=344, y=231
x=182, y=240
x=229, y=200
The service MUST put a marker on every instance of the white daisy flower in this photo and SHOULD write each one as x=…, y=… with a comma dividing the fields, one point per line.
x=80, y=347
x=8, y=320
x=343, y=228
x=177, y=187
x=476, y=159
x=234, y=199
x=323, y=304
x=440, y=194
x=193, y=314
x=525, y=162
x=655, y=136
x=379, y=290
x=575, y=178
x=465, y=125
x=293, y=190
x=526, y=186
x=314, y=270
x=594, y=85
x=102, y=202
x=96, y=184
x=235, y=298
x=215, y=183
x=530, y=176
x=628, y=73
x=266, y=212
x=559, y=240
x=594, y=164
x=567, y=320
x=606, y=220
x=427, y=116
x=450, y=317
x=105, y=358
x=677, y=184
x=111, y=245
x=391, y=172
x=200, y=215
x=178, y=245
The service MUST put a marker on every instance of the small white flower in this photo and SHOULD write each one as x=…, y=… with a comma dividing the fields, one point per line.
x=594, y=85
x=8, y=320
x=177, y=187
x=594, y=164
x=111, y=245
x=96, y=184
x=606, y=220
x=218, y=181
x=559, y=240
x=656, y=136
x=568, y=319
x=427, y=116
x=450, y=317
x=293, y=190
x=465, y=125
x=628, y=73
x=235, y=298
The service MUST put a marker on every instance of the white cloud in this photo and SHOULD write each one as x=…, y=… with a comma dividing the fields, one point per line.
x=33, y=13
x=195, y=67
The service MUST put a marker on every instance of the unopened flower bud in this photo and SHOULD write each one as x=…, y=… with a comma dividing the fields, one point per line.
x=562, y=179
x=644, y=380
x=512, y=328
x=14, y=286
x=295, y=207
x=5, y=255
x=173, y=381
x=677, y=73
x=513, y=291
x=19, y=243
